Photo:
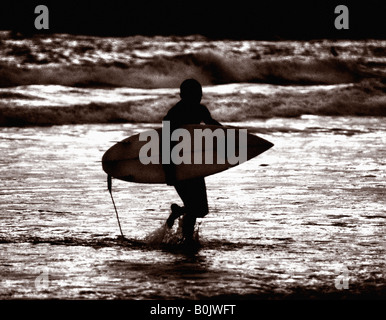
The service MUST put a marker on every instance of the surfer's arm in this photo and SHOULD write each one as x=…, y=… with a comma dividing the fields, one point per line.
x=213, y=121
x=166, y=118
x=173, y=119
x=171, y=115
x=208, y=118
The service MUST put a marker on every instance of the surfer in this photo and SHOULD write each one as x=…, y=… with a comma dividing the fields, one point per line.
x=192, y=192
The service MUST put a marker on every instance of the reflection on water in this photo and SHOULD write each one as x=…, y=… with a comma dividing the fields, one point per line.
x=298, y=220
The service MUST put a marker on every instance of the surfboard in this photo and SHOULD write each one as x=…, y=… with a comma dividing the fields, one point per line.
x=133, y=159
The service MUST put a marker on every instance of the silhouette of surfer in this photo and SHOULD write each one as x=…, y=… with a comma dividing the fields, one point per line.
x=192, y=192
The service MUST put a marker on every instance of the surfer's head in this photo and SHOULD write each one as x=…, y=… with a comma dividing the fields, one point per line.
x=191, y=91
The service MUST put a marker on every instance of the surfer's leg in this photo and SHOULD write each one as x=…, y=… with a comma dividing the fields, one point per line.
x=170, y=168
x=188, y=223
x=177, y=211
x=170, y=174
x=193, y=195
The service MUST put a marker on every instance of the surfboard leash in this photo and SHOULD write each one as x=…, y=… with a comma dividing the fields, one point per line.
x=109, y=187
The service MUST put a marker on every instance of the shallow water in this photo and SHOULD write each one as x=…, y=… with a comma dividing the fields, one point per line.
x=299, y=218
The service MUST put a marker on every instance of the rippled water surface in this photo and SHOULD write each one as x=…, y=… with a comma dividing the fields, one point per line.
x=306, y=216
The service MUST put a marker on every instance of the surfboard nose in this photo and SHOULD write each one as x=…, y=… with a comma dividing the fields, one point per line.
x=257, y=145
x=269, y=145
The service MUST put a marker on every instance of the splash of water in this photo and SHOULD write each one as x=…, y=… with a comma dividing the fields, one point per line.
x=170, y=237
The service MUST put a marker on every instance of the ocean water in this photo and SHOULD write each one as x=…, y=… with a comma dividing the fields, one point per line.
x=306, y=218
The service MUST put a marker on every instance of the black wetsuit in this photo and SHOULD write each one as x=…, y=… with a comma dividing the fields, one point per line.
x=192, y=191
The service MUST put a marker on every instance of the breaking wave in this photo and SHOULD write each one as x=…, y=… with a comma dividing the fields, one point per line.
x=209, y=67
x=227, y=103
x=67, y=79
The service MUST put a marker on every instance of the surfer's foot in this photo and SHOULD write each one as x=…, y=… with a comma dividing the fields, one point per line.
x=177, y=211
